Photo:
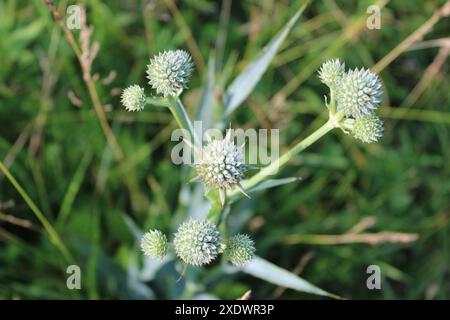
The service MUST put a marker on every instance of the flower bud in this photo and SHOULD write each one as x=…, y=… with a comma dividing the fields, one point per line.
x=169, y=72
x=368, y=129
x=358, y=93
x=154, y=244
x=331, y=71
x=133, y=98
x=221, y=164
x=240, y=250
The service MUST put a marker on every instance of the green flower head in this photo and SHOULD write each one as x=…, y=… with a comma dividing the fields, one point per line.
x=154, y=244
x=368, y=129
x=197, y=242
x=240, y=250
x=331, y=71
x=169, y=72
x=133, y=98
x=221, y=165
x=358, y=93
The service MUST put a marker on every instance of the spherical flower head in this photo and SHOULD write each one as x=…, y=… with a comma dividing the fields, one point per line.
x=221, y=164
x=368, y=129
x=240, y=250
x=133, y=98
x=331, y=71
x=197, y=242
x=169, y=72
x=358, y=93
x=154, y=244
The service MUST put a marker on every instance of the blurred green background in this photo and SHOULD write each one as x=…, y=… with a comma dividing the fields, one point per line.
x=52, y=142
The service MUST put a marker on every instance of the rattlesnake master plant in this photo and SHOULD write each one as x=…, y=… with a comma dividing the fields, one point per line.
x=197, y=242
x=169, y=72
x=239, y=250
x=354, y=97
x=154, y=244
x=133, y=98
x=221, y=165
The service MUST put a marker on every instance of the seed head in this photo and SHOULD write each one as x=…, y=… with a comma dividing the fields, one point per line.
x=358, y=93
x=197, y=242
x=169, y=72
x=368, y=129
x=154, y=244
x=133, y=98
x=331, y=71
x=240, y=250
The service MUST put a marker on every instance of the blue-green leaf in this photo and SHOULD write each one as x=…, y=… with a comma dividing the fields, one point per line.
x=272, y=183
x=241, y=87
x=205, y=112
x=269, y=272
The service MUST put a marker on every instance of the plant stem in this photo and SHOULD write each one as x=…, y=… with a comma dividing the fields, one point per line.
x=284, y=159
x=158, y=102
x=181, y=116
x=54, y=237
x=87, y=78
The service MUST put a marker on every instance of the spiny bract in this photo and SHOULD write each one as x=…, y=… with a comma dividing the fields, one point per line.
x=154, y=244
x=358, y=93
x=240, y=250
x=197, y=242
x=133, y=98
x=368, y=129
x=169, y=72
x=331, y=71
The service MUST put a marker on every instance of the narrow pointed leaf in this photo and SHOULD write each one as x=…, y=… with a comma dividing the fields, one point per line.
x=272, y=183
x=269, y=272
x=241, y=189
x=241, y=87
x=205, y=112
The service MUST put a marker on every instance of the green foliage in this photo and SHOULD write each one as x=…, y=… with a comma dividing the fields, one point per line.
x=52, y=143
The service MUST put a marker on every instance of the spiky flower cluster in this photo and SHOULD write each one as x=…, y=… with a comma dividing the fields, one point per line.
x=133, y=98
x=356, y=94
x=197, y=242
x=169, y=72
x=154, y=244
x=331, y=71
x=221, y=165
x=239, y=250
x=359, y=93
x=368, y=129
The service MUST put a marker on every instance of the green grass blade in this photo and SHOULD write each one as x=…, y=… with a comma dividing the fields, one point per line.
x=54, y=237
x=73, y=189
